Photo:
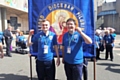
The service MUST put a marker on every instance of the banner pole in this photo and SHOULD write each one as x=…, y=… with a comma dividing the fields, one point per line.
x=31, y=67
x=94, y=64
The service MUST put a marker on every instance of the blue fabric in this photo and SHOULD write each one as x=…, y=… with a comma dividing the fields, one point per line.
x=81, y=9
x=76, y=55
x=113, y=34
x=107, y=12
x=97, y=39
x=108, y=39
x=1, y=33
x=1, y=36
x=40, y=38
x=21, y=38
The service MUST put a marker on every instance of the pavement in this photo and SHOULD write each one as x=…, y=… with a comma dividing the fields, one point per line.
x=17, y=67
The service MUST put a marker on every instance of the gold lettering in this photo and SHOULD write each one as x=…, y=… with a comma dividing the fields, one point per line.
x=68, y=7
x=65, y=5
x=78, y=13
x=50, y=8
x=54, y=5
x=58, y=5
x=82, y=21
x=61, y=5
x=72, y=8
x=82, y=24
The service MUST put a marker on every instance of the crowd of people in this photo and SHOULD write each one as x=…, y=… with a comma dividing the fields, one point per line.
x=7, y=37
x=104, y=40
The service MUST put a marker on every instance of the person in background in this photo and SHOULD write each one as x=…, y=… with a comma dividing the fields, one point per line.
x=108, y=44
x=22, y=41
x=1, y=45
x=47, y=44
x=112, y=32
x=98, y=41
x=8, y=39
x=21, y=37
x=102, y=32
x=17, y=36
x=72, y=50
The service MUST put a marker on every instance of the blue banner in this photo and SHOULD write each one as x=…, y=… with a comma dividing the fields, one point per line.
x=57, y=12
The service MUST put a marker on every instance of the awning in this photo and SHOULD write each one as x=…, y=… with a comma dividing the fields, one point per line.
x=103, y=13
x=20, y=13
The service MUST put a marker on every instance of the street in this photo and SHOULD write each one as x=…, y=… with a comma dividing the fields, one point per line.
x=17, y=67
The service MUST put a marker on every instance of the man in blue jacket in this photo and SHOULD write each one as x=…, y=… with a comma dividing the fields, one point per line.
x=72, y=50
x=47, y=45
x=108, y=44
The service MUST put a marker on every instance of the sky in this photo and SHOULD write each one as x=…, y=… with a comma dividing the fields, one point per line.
x=110, y=0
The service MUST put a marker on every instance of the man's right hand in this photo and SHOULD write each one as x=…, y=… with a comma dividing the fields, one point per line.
x=31, y=32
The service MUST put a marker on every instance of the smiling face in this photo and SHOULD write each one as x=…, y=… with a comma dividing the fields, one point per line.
x=71, y=25
x=45, y=25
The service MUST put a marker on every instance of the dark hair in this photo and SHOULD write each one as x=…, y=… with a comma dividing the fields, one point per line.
x=43, y=20
x=71, y=19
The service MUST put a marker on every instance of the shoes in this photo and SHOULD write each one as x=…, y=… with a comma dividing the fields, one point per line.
x=9, y=55
x=111, y=59
x=99, y=58
x=106, y=58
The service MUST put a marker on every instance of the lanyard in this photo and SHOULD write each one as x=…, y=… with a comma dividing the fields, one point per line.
x=70, y=39
x=46, y=39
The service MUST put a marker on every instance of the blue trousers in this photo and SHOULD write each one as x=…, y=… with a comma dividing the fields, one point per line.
x=73, y=71
x=45, y=70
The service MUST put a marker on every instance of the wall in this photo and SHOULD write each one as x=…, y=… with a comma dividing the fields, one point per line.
x=16, y=8
x=118, y=6
x=16, y=4
x=112, y=21
x=22, y=21
x=106, y=7
x=95, y=11
x=109, y=6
